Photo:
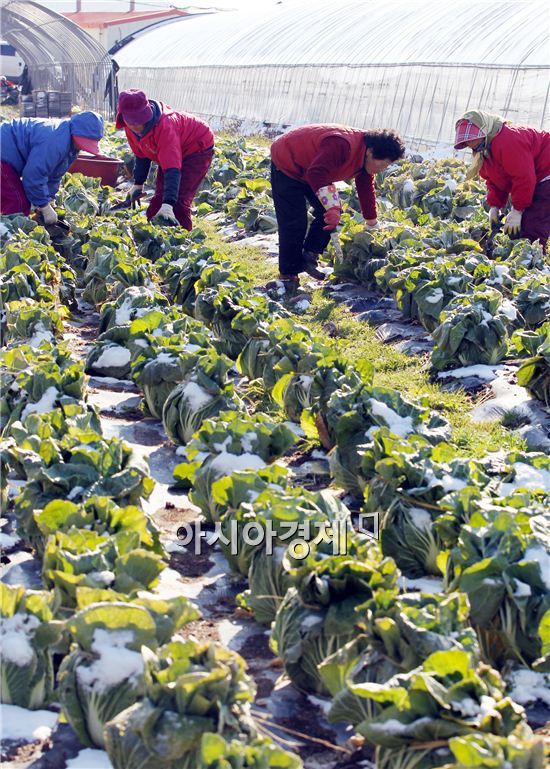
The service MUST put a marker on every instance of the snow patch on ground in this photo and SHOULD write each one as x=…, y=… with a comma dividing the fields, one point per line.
x=7, y=541
x=28, y=725
x=173, y=546
x=107, y=400
x=23, y=569
x=227, y=630
x=508, y=397
x=170, y=585
x=90, y=759
x=269, y=242
x=528, y=686
x=161, y=497
x=479, y=370
x=423, y=584
x=99, y=381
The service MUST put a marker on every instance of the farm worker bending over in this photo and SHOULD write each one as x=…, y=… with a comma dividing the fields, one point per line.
x=514, y=160
x=181, y=144
x=306, y=162
x=35, y=154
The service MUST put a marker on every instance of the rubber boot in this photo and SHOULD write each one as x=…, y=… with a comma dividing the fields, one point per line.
x=311, y=265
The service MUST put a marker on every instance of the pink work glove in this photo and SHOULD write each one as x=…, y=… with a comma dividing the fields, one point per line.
x=332, y=218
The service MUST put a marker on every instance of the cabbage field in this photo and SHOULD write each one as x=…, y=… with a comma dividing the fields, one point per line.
x=248, y=529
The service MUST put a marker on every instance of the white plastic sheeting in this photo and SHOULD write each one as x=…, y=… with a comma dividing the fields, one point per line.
x=413, y=66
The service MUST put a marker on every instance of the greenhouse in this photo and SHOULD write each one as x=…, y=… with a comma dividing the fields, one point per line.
x=60, y=56
x=359, y=63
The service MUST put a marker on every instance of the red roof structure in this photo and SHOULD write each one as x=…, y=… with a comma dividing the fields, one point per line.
x=104, y=19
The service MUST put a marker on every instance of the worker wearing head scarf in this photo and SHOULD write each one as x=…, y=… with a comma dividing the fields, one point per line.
x=181, y=144
x=514, y=160
x=36, y=153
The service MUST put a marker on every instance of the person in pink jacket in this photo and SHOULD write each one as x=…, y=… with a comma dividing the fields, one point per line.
x=181, y=145
x=514, y=160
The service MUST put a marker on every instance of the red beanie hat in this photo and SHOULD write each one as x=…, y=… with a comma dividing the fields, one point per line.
x=134, y=107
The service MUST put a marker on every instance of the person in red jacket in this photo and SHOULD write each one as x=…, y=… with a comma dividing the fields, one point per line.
x=181, y=144
x=514, y=160
x=306, y=162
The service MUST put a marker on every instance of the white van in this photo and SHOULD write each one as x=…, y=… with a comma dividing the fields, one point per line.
x=11, y=64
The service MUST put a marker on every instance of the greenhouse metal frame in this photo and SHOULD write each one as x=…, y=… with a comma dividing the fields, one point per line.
x=60, y=56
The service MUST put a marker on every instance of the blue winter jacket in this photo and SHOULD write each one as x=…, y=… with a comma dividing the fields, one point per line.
x=41, y=151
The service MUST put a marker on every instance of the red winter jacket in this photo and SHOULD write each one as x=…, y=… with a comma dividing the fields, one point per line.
x=174, y=137
x=321, y=154
x=520, y=158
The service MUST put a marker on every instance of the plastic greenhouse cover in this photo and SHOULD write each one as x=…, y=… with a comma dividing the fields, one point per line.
x=353, y=32
x=413, y=66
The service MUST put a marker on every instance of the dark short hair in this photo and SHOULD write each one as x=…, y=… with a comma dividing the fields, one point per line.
x=385, y=144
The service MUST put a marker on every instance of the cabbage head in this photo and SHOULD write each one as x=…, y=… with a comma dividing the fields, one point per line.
x=473, y=329
x=203, y=394
x=318, y=616
x=28, y=639
x=190, y=689
x=103, y=674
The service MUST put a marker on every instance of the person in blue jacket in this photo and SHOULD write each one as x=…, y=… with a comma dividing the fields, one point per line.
x=34, y=155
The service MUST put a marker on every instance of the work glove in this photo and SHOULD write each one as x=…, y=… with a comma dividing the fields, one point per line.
x=494, y=216
x=48, y=214
x=134, y=195
x=330, y=200
x=512, y=225
x=332, y=218
x=166, y=215
x=371, y=224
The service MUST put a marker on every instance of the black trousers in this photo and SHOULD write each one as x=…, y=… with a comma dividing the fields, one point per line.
x=291, y=200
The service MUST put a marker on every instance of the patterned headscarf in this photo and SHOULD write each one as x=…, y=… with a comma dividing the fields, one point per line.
x=489, y=126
